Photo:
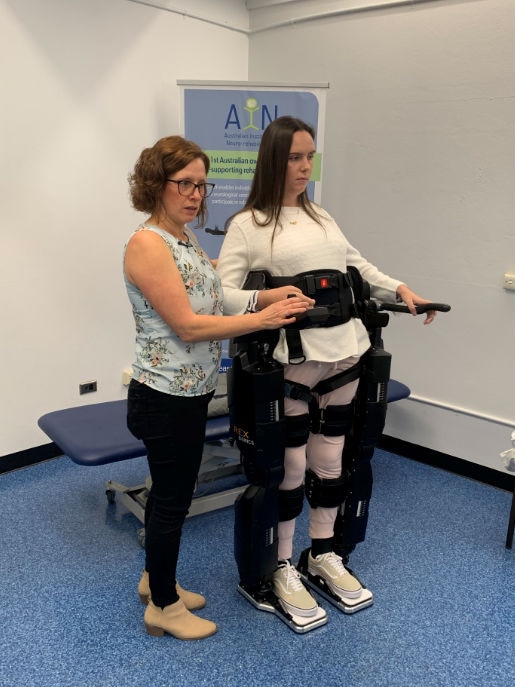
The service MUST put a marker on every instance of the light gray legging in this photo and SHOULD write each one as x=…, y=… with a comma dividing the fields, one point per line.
x=321, y=454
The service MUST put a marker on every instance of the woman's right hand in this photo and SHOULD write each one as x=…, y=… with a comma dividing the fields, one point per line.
x=268, y=296
x=283, y=312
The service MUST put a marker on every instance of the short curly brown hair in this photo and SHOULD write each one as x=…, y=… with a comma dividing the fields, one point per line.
x=155, y=165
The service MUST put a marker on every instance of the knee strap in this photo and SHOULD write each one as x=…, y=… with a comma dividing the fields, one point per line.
x=332, y=421
x=325, y=493
x=296, y=430
x=290, y=503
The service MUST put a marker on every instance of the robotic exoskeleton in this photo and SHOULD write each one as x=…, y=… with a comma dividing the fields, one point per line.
x=256, y=403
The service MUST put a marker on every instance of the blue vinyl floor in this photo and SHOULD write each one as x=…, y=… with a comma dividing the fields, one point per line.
x=444, y=588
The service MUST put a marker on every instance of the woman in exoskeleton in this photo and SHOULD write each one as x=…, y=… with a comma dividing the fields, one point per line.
x=281, y=231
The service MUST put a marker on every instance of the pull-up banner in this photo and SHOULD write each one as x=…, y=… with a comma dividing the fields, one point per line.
x=227, y=121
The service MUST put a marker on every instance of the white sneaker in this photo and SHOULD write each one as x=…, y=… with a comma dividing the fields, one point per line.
x=292, y=594
x=329, y=566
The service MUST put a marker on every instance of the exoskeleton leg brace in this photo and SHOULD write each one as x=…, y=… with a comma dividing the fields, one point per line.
x=360, y=442
x=324, y=484
x=362, y=423
x=256, y=404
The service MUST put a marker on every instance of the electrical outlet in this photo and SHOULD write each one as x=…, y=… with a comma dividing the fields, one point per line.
x=509, y=281
x=88, y=387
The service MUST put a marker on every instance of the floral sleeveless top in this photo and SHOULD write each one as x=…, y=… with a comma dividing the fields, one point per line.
x=163, y=361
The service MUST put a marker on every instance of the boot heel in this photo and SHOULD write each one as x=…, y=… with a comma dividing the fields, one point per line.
x=176, y=620
x=154, y=631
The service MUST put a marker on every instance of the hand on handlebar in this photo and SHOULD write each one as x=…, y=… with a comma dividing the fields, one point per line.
x=416, y=305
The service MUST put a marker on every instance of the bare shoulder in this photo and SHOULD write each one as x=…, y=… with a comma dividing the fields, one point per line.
x=145, y=237
x=147, y=242
x=147, y=256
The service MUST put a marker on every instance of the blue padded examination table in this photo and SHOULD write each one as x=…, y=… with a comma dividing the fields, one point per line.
x=97, y=434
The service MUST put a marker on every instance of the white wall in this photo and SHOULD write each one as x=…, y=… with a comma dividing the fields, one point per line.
x=418, y=170
x=86, y=84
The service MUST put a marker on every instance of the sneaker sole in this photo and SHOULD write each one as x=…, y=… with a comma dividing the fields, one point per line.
x=301, y=612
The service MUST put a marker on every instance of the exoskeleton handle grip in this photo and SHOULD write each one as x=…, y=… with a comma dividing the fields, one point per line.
x=425, y=307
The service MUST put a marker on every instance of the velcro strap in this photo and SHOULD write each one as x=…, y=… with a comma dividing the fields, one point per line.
x=295, y=351
x=339, y=380
x=290, y=503
x=325, y=493
x=297, y=392
x=296, y=430
x=332, y=421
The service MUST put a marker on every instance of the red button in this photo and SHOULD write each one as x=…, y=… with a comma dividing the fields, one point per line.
x=324, y=283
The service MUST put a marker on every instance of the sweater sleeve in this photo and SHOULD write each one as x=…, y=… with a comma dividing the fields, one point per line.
x=232, y=267
x=382, y=286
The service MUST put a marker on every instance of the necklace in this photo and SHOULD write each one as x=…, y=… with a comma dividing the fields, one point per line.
x=294, y=218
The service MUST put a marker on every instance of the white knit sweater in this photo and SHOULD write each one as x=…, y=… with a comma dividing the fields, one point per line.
x=299, y=245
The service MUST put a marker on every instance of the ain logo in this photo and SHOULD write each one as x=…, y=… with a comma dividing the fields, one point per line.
x=252, y=111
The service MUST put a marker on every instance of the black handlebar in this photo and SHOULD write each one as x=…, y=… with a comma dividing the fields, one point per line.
x=402, y=307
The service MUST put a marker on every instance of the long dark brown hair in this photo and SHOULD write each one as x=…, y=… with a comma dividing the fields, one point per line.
x=268, y=184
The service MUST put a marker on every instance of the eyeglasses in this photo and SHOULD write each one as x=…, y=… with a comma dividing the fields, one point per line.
x=186, y=187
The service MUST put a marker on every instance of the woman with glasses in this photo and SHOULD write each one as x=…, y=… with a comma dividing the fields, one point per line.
x=281, y=231
x=176, y=299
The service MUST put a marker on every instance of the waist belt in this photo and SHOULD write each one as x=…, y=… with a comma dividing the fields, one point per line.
x=333, y=295
x=332, y=291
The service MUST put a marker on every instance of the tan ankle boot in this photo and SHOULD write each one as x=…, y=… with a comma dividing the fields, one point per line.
x=177, y=621
x=192, y=600
x=144, y=588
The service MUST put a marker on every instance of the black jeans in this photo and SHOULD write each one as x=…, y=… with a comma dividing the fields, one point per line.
x=173, y=430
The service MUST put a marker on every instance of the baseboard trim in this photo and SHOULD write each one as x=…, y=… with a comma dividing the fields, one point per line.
x=459, y=466
x=31, y=456
x=465, y=468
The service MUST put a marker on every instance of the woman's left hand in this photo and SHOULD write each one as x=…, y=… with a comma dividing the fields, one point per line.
x=412, y=299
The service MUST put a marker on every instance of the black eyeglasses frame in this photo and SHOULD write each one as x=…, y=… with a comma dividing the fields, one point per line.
x=204, y=188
